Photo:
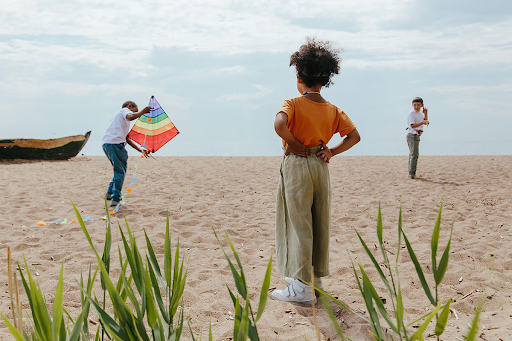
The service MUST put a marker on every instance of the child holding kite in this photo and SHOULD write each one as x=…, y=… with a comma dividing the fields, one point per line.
x=114, y=142
x=303, y=209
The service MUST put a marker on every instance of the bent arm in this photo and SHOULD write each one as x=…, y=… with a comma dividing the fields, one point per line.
x=133, y=144
x=282, y=129
x=348, y=142
x=294, y=145
x=136, y=115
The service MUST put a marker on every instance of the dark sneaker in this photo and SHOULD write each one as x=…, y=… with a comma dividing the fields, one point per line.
x=116, y=203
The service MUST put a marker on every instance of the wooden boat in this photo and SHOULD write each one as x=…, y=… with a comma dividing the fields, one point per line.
x=53, y=149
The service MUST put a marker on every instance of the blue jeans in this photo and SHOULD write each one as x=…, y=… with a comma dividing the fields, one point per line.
x=118, y=157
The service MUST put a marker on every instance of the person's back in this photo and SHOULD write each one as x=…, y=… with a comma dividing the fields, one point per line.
x=306, y=124
x=314, y=123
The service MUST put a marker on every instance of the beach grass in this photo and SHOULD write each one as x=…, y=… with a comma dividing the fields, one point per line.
x=146, y=302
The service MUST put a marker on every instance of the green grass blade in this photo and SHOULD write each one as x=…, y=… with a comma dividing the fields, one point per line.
x=131, y=295
x=418, y=335
x=106, y=251
x=378, y=302
x=167, y=255
x=379, y=230
x=39, y=310
x=14, y=332
x=154, y=261
x=118, y=304
x=113, y=328
x=368, y=300
x=191, y=332
x=443, y=319
x=376, y=265
x=434, y=242
x=176, y=271
x=400, y=310
x=238, y=318
x=30, y=295
x=178, y=286
x=443, y=263
x=332, y=317
x=243, y=331
x=210, y=335
x=152, y=313
x=242, y=276
x=131, y=260
x=335, y=300
x=264, y=290
x=239, y=281
x=419, y=271
x=399, y=238
x=57, y=306
x=74, y=335
x=139, y=271
x=473, y=330
x=158, y=296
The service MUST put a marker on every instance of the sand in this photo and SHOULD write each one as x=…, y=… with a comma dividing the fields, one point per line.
x=237, y=195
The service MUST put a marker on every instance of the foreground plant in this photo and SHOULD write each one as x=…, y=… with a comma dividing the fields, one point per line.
x=149, y=311
x=45, y=326
x=374, y=301
x=245, y=321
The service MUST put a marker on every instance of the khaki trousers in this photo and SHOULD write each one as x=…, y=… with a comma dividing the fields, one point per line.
x=303, y=216
x=413, y=141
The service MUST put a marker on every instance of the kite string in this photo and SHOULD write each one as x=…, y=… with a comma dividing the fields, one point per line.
x=65, y=221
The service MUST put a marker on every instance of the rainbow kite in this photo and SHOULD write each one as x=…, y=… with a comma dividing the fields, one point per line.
x=154, y=129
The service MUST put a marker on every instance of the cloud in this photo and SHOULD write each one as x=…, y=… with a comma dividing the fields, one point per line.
x=245, y=97
x=44, y=35
x=472, y=89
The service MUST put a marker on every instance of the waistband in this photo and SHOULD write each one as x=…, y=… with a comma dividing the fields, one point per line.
x=115, y=144
x=314, y=149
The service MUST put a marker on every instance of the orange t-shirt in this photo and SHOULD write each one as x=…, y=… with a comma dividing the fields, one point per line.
x=313, y=123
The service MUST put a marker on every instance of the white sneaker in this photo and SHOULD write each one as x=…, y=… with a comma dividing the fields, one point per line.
x=295, y=292
x=318, y=282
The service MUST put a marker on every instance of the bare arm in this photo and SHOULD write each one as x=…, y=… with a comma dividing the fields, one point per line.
x=136, y=115
x=144, y=152
x=293, y=145
x=348, y=142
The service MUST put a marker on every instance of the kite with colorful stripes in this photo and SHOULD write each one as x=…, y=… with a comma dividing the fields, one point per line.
x=154, y=129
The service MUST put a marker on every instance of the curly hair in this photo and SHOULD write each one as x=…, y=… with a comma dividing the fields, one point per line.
x=316, y=62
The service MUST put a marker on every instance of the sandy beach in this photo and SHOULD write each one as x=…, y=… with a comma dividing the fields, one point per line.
x=237, y=195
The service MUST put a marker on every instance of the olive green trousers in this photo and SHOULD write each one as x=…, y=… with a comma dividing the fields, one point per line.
x=303, y=216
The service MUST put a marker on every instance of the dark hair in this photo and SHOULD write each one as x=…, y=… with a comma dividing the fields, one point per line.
x=127, y=103
x=316, y=62
x=417, y=100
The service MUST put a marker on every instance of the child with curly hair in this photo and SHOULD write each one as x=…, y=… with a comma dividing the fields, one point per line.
x=303, y=209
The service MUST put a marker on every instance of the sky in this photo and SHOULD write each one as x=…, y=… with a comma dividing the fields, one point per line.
x=220, y=70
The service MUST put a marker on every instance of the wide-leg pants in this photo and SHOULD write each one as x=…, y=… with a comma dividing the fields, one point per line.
x=303, y=216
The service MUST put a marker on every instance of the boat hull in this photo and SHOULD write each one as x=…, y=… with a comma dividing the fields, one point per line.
x=52, y=149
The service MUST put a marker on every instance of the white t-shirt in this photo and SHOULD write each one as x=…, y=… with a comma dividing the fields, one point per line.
x=119, y=128
x=413, y=118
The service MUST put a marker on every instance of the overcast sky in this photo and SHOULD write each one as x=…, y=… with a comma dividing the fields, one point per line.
x=220, y=69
